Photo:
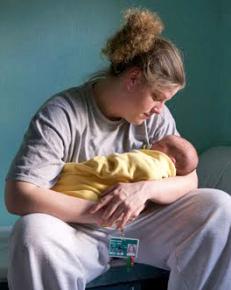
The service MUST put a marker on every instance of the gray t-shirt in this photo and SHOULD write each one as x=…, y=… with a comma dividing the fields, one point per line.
x=69, y=127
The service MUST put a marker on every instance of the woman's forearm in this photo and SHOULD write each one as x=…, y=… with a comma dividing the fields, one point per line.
x=24, y=198
x=168, y=190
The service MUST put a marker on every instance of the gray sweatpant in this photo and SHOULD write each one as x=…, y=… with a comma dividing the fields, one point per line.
x=190, y=237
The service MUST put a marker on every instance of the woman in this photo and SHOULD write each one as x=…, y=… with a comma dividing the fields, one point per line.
x=60, y=242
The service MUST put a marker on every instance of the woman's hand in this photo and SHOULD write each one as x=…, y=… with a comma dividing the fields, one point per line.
x=121, y=203
x=124, y=201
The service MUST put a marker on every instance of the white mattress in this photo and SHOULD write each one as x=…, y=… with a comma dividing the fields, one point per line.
x=214, y=168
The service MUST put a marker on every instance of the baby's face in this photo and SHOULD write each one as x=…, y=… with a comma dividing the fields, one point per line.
x=162, y=147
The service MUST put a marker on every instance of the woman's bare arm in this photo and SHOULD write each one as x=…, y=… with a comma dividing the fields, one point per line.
x=24, y=198
x=168, y=190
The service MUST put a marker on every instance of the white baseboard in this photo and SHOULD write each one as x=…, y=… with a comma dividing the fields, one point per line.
x=5, y=232
x=4, y=239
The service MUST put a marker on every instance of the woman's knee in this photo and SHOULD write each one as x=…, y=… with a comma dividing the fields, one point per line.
x=33, y=230
x=213, y=197
x=213, y=206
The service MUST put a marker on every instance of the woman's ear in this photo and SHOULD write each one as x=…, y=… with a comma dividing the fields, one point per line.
x=133, y=78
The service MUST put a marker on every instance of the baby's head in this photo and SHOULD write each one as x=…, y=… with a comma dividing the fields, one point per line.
x=181, y=151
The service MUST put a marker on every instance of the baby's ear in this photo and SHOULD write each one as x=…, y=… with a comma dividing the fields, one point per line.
x=173, y=159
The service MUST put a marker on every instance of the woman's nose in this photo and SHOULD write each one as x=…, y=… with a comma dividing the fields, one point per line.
x=157, y=108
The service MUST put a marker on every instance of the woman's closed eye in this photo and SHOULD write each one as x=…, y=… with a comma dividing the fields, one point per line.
x=157, y=98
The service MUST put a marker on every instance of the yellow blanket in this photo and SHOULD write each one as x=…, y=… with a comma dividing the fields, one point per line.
x=89, y=179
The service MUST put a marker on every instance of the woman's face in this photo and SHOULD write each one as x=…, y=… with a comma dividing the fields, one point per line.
x=144, y=101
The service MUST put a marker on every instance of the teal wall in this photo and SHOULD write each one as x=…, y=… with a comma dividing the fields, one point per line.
x=224, y=94
x=49, y=45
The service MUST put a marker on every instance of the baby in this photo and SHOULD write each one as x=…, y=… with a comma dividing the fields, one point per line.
x=168, y=157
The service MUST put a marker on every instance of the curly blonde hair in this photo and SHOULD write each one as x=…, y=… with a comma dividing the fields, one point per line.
x=139, y=43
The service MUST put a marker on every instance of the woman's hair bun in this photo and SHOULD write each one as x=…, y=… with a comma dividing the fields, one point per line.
x=136, y=36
